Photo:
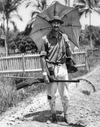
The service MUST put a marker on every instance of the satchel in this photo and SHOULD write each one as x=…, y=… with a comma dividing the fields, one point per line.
x=71, y=65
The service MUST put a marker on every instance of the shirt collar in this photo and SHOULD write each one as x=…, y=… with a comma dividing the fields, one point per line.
x=51, y=34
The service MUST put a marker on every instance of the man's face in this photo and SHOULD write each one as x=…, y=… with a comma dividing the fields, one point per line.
x=55, y=25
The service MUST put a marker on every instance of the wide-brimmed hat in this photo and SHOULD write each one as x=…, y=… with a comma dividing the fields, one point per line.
x=56, y=18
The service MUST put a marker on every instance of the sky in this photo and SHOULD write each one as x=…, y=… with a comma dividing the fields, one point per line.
x=25, y=13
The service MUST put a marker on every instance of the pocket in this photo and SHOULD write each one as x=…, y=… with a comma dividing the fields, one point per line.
x=61, y=71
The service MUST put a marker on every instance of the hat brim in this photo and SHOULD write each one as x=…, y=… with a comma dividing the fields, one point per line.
x=61, y=22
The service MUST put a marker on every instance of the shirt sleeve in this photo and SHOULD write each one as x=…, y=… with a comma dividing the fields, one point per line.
x=67, y=40
x=43, y=51
x=68, y=46
x=66, y=37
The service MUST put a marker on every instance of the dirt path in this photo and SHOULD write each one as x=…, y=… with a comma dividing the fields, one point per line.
x=84, y=110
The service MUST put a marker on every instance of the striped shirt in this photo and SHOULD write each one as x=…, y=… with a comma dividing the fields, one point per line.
x=54, y=47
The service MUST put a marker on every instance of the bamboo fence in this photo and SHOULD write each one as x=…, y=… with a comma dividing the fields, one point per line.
x=31, y=62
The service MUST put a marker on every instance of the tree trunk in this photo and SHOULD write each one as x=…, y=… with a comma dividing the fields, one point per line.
x=5, y=39
x=68, y=3
x=7, y=48
x=91, y=43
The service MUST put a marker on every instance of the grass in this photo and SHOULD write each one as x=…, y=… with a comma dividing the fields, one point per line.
x=10, y=97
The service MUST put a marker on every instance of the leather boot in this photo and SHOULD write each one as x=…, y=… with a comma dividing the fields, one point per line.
x=65, y=118
x=54, y=118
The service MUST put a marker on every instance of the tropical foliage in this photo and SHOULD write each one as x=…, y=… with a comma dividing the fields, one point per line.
x=23, y=43
x=87, y=7
x=8, y=9
x=38, y=7
x=85, y=36
x=67, y=2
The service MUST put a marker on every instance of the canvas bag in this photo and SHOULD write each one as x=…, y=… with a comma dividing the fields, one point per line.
x=69, y=61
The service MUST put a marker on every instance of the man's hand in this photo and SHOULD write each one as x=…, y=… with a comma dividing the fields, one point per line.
x=46, y=78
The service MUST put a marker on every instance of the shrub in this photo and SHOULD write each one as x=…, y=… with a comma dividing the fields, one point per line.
x=10, y=97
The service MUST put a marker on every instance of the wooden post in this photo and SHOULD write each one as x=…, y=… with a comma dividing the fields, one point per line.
x=23, y=64
x=86, y=61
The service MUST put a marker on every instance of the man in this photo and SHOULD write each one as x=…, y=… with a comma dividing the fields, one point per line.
x=53, y=60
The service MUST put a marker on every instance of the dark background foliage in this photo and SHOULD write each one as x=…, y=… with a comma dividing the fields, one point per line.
x=23, y=43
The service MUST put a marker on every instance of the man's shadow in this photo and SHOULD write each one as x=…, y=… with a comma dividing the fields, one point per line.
x=43, y=116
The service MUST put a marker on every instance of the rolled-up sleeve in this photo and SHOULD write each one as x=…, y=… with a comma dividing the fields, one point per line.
x=66, y=40
x=43, y=51
x=68, y=46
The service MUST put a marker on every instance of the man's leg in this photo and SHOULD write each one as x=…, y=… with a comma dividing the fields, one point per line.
x=64, y=97
x=51, y=90
x=63, y=90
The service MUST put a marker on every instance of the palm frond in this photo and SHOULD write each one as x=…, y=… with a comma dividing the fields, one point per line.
x=81, y=1
x=86, y=5
x=2, y=28
x=53, y=2
x=31, y=22
x=97, y=10
x=14, y=5
x=43, y=4
x=17, y=2
x=81, y=13
x=86, y=12
x=16, y=16
x=14, y=26
x=34, y=13
x=27, y=4
x=78, y=2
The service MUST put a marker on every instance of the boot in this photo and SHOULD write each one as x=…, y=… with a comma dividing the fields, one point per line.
x=54, y=118
x=65, y=118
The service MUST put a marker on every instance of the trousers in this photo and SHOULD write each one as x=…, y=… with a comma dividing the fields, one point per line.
x=60, y=73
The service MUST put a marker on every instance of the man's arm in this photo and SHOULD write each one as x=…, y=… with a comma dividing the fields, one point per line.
x=45, y=71
x=68, y=47
x=43, y=64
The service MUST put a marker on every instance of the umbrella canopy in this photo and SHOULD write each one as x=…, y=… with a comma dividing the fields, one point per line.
x=71, y=25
